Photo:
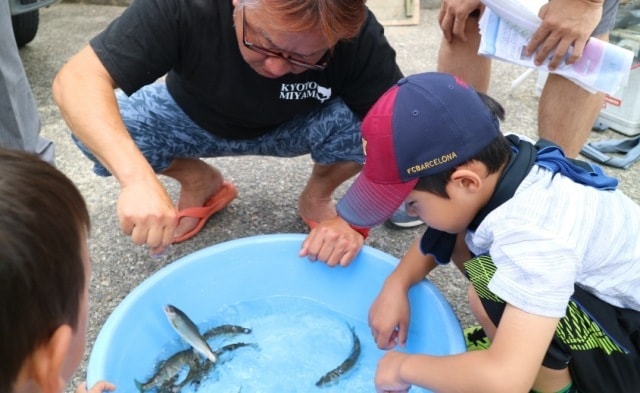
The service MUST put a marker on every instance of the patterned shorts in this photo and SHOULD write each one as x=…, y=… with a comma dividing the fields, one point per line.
x=163, y=132
x=600, y=343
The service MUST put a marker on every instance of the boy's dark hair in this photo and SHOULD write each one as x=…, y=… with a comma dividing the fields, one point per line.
x=493, y=156
x=42, y=275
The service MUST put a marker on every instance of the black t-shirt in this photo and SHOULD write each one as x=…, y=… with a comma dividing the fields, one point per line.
x=194, y=42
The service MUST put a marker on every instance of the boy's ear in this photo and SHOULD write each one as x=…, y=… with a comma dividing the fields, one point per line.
x=467, y=178
x=48, y=360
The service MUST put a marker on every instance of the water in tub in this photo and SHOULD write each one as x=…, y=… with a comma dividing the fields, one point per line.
x=278, y=344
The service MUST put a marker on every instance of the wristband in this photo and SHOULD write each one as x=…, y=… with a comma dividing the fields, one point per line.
x=363, y=231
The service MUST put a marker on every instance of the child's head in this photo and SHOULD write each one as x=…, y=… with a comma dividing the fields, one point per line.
x=44, y=274
x=415, y=136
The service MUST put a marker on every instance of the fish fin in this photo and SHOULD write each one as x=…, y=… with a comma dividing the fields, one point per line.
x=138, y=385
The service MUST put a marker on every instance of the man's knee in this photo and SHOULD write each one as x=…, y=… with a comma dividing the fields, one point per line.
x=337, y=135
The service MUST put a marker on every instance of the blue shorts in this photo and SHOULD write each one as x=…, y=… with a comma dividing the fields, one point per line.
x=163, y=132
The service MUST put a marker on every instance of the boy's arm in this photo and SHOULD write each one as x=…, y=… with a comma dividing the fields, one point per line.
x=389, y=312
x=412, y=268
x=509, y=365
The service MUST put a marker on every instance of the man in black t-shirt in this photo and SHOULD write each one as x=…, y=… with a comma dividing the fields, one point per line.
x=243, y=77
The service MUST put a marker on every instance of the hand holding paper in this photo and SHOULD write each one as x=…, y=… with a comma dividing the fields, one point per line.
x=453, y=17
x=507, y=26
x=566, y=28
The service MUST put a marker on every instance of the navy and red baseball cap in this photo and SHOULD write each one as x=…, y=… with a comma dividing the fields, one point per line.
x=426, y=124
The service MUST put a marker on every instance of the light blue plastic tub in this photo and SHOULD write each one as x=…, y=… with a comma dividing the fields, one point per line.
x=250, y=269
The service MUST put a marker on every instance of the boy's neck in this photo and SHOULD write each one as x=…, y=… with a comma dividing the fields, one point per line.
x=490, y=183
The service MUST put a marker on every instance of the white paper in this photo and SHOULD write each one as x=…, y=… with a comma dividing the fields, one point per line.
x=504, y=35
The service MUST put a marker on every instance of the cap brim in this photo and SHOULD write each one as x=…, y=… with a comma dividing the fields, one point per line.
x=367, y=204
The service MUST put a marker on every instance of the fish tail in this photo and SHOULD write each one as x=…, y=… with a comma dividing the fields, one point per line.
x=138, y=385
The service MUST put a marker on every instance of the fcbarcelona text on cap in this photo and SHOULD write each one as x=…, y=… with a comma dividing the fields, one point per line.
x=432, y=163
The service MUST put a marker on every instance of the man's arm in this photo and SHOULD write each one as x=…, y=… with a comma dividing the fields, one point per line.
x=84, y=91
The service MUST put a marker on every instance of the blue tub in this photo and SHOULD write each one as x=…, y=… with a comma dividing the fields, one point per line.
x=247, y=270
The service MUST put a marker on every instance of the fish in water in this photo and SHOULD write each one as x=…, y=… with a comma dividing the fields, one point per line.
x=200, y=370
x=225, y=330
x=233, y=347
x=167, y=371
x=189, y=331
x=345, y=366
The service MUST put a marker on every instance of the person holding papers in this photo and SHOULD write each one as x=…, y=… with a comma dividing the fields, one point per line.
x=566, y=112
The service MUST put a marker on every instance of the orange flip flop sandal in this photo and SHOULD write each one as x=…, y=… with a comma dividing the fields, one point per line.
x=214, y=204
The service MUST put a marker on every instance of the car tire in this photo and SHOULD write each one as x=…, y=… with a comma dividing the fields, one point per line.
x=25, y=26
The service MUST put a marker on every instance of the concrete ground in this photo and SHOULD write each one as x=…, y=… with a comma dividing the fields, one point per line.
x=268, y=187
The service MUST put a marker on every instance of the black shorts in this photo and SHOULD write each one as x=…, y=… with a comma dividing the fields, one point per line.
x=600, y=343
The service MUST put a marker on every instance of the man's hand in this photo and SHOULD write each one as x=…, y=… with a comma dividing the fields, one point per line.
x=566, y=26
x=333, y=241
x=147, y=214
x=453, y=17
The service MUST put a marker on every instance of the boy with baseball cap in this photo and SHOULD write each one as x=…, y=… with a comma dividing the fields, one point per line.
x=552, y=282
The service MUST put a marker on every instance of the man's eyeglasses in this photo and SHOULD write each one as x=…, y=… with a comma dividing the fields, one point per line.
x=319, y=66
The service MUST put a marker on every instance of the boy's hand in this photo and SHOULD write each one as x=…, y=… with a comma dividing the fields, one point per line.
x=333, y=241
x=99, y=387
x=389, y=317
x=387, y=377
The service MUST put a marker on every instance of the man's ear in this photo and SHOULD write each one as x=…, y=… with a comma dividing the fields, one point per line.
x=48, y=360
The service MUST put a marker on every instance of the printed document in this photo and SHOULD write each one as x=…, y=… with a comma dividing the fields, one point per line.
x=507, y=26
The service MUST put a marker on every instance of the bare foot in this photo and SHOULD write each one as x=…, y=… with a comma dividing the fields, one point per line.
x=198, y=182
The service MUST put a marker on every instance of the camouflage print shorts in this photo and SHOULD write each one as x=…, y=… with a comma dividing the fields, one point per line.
x=163, y=132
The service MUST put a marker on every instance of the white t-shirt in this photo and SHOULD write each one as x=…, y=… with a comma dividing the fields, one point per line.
x=554, y=233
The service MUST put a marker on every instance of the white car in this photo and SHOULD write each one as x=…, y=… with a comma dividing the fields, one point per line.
x=25, y=17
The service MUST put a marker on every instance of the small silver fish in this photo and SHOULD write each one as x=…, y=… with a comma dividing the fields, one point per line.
x=345, y=366
x=189, y=331
x=225, y=330
x=167, y=371
x=233, y=347
x=200, y=370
